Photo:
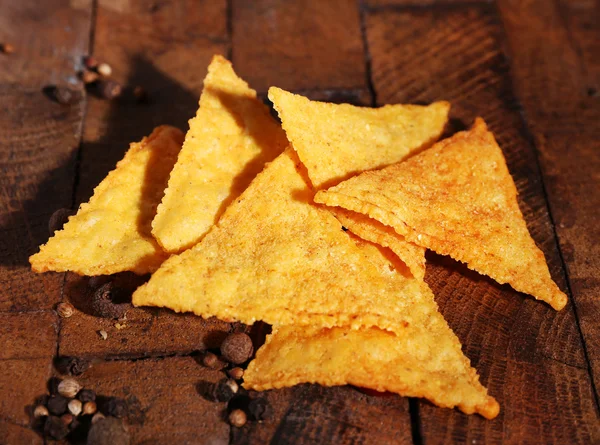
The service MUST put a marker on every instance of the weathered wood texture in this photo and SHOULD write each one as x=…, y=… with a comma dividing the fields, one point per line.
x=514, y=342
x=555, y=48
x=487, y=61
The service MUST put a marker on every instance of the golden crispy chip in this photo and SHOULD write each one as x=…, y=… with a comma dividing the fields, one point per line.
x=276, y=257
x=111, y=233
x=457, y=199
x=416, y=361
x=375, y=232
x=228, y=143
x=335, y=142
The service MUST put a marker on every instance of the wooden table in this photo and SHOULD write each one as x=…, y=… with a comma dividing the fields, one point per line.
x=531, y=68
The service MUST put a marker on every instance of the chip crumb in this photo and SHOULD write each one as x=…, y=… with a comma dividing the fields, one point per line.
x=120, y=326
x=103, y=334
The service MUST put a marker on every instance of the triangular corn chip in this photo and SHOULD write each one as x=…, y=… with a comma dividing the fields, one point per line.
x=111, y=232
x=375, y=232
x=416, y=361
x=335, y=141
x=457, y=199
x=228, y=143
x=274, y=256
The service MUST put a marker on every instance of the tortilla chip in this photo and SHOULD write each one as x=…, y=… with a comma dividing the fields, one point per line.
x=276, y=257
x=228, y=143
x=375, y=232
x=416, y=361
x=335, y=142
x=111, y=232
x=457, y=199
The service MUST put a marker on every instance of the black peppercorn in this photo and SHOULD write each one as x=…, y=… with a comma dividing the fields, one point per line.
x=115, y=407
x=237, y=348
x=72, y=365
x=259, y=409
x=58, y=220
x=109, y=89
x=55, y=428
x=103, y=305
x=64, y=95
x=223, y=391
x=86, y=395
x=57, y=405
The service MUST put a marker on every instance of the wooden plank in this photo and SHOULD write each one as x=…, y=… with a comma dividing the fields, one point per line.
x=164, y=47
x=557, y=78
x=163, y=399
x=299, y=45
x=529, y=356
x=38, y=138
x=422, y=3
x=28, y=335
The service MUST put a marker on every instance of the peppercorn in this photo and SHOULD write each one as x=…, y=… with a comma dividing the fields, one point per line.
x=237, y=418
x=102, y=303
x=97, y=417
x=236, y=373
x=224, y=390
x=57, y=405
x=86, y=395
x=72, y=366
x=40, y=411
x=8, y=48
x=89, y=77
x=237, y=348
x=109, y=89
x=55, y=428
x=259, y=409
x=108, y=431
x=90, y=63
x=67, y=418
x=75, y=407
x=65, y=310
x=104, y=69
x=63, y=95
x=115, y=407
x=89, y=408
x=58, y=220
x=69, y=388
x=211, y=361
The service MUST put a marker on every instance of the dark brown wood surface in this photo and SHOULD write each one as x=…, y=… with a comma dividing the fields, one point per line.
x=529, y=67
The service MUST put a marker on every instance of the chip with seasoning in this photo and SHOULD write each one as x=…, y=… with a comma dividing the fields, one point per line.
x=229, y=141
x=275, y=256
x=422, y=360
x=335, y=141
x=457, y=199
x=375, y=232
x=111, y=233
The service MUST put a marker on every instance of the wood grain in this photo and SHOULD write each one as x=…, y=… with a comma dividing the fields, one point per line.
x=557, y=77
x=514, y=341
x=298, y=44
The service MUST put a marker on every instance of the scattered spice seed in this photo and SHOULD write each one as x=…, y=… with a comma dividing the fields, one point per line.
x=237, y=418
x=259, y=409
x=236, y=373
x=86, y=395
x=108, y=431
x=65, y=310
x=211, y=361
x=103, y=334
x=104, y=69
x=69, y=388
x=98, y=416
x=109, y=89
x=55, y=428
x=102, y=303
x=63, y=95
x=40, y=411
x=72, y=365
x=116, y=407
x=89, y=77
x=237, y=348
x=57, y=405
x=67, y=419
x=89, y=408
x=58, y=220
x=75, y=407
x=8, y=48
x=223, y=391
x=90, y=63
